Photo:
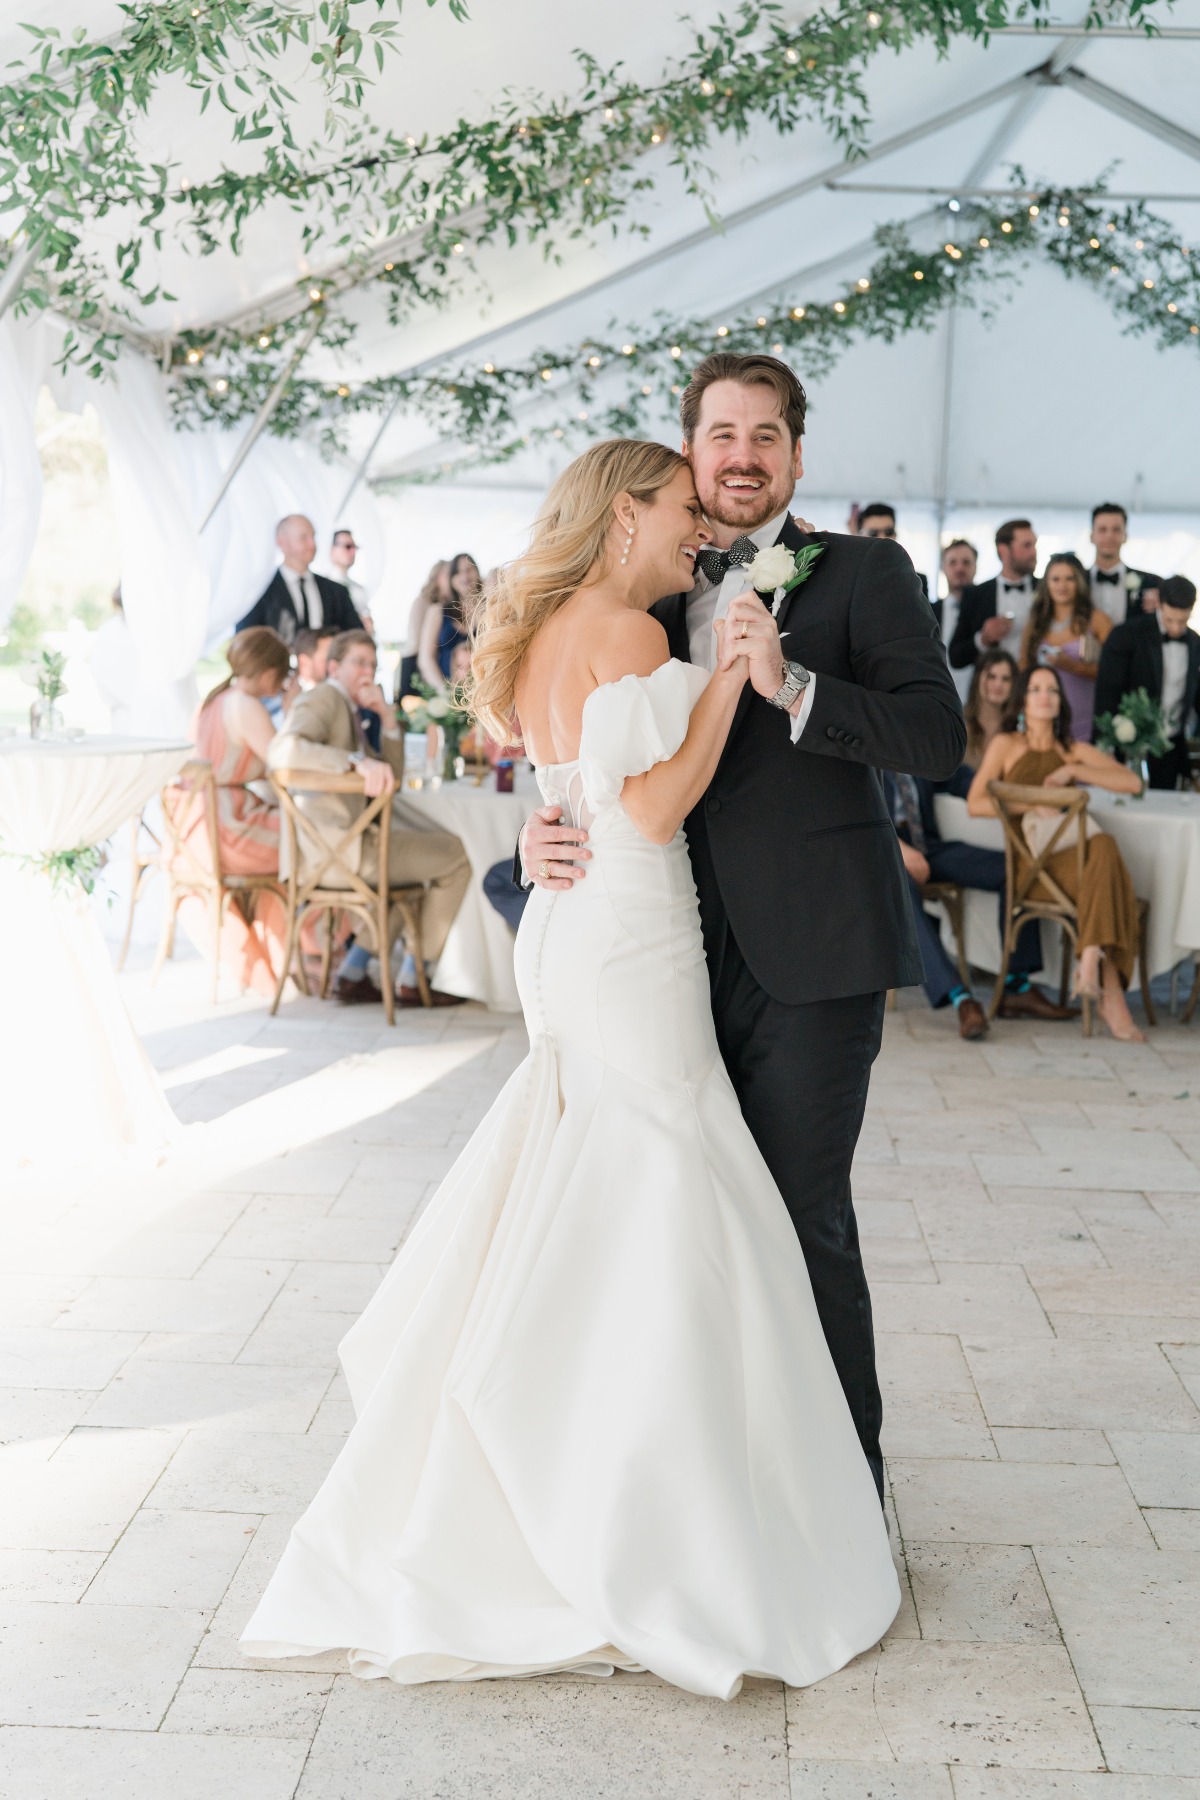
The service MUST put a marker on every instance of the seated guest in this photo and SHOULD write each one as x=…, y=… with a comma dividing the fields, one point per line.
x=435, y=591
x=323, y=732
x=992, y=682
x=311, y=649
x=294, y=596
x=504, y=894
x=928, y=856
x=1160, y=652
x=1067, y=632
x=1036, y=749
x=1117, y=590
x=995, y=611
x=234, y=733
x=444, y=628
x=959, y=563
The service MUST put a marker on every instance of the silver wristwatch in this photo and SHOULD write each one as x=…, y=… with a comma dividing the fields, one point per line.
x=795, y=679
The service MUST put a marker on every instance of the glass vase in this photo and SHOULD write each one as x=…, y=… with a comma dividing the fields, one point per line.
x=46, y=722
x=1144, y=772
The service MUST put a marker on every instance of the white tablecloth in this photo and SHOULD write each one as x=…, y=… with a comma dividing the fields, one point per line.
x=478, y=958
x=76, y=1084
x=1159, y=837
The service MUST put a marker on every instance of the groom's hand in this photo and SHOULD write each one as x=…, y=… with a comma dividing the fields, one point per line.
x=549, y=849
x=758, y=643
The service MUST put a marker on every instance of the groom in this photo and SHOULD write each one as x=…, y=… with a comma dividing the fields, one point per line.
x=803, y=899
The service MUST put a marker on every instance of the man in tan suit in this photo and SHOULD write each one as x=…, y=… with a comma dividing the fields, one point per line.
x=322, y=731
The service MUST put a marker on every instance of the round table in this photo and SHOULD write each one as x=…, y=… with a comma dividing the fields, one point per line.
x=478, y=959
x=1159, y=837
x=76, y=1081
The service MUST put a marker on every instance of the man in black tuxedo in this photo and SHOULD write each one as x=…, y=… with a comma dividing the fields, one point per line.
x=1117, y=590
x=803, y=896
x=996, y=611
x=1160, y=652
x=295, y=598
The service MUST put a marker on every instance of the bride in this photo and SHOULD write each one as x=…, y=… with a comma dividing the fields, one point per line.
x=597, y=1425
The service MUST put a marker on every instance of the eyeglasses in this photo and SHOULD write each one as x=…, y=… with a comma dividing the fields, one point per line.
x=870, y=529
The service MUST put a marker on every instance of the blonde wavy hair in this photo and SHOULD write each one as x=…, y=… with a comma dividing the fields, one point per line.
x=569, y=539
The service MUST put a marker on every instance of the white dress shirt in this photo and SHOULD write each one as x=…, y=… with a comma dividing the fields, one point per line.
x=951, y=607
x=706, y=604
x=1112, y=598
x=1015, y=598
x=1174, y=681
x=306, y=596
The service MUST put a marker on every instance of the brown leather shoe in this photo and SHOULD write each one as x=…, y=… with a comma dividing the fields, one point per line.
x=972, y=1020
x=1033, y=1004
x=362, y=992
x=411, y=996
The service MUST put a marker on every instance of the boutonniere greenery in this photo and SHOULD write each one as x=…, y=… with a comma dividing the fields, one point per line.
x=777, y=570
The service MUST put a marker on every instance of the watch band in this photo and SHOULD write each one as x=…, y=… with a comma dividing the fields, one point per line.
x=795, y=679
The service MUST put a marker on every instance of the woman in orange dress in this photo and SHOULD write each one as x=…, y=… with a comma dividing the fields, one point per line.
x=1036, y=749
x=233, y=732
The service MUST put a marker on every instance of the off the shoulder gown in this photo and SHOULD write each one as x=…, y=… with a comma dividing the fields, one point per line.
x=597, y=1425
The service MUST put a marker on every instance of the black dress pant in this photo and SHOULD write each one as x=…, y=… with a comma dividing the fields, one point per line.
x=1169, y=770
x=801, y=1075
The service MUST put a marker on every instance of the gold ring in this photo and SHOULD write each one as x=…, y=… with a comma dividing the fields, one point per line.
x=745, y=628
x=544, y=870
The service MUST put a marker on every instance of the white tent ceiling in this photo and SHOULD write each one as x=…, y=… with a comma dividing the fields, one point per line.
x=1051, y=403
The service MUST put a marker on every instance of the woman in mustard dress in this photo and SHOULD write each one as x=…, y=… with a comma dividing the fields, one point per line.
x=1036, y=749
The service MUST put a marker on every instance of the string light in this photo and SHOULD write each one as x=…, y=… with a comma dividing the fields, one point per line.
x=388, y=267
x=862, y=285
x=839, y=306
x=678, y=390
x=722, y=331
x=1147, y=284
x=1005, y=225
x=656, y=137
x=1034, y=211
x=1110, y=226
x=874, y=20
x=791, y=56
x=343, y=391
x=221, y=385
x=314, y=294
x=593, y=362
x=708, y=88
x=583, y=415
x=778, y=349
x=985, y=243
x=954, y=205
x=489, y=368
x=609, y=113
x=195, y=356
x=1094, y=243
x=626, y=349
x=1139, y=245
x=918, y=274
x=558, y=431
x=1171, y=307
x=676, y=352
x=264, y=342
x=411, y=142
x=647, y=390
x=798, y=312
x=458, y=249
x=547, y=374
x=760, y=321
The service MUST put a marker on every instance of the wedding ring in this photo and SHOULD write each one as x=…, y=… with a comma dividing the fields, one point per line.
x=544, y=870
x=745, y=628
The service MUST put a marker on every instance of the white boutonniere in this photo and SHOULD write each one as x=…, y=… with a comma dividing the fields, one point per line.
x=1132, y=582
x=777, y=570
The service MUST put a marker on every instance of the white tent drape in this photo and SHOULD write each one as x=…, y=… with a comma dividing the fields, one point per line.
x=23, y=359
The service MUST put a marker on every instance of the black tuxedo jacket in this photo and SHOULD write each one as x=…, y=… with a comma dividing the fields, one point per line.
x=1133, y=601
x=792, y=846
x=1132, y=658
x=978, y=604
x=275, y=609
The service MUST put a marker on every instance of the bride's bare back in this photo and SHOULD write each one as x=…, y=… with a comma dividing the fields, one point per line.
x=593, y=638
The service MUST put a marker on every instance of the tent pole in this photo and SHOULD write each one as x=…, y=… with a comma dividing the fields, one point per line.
x=263, y=417
x=941, y=483
x=1102, y=95
x=365, y=464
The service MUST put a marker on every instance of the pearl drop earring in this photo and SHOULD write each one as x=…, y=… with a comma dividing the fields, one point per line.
x=628, y=545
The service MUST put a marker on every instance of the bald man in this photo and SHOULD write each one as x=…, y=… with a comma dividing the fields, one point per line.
x=297, y=599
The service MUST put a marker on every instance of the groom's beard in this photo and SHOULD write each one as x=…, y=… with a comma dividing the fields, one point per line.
x=741, y=515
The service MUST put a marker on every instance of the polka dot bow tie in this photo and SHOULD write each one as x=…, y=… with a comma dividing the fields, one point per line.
x=717, y=563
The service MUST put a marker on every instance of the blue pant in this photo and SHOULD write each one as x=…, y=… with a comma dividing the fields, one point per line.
x=504, y=894
x=972, y=866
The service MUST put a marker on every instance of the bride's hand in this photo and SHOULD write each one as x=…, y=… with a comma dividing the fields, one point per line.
x=732, y=651
x=751, y=632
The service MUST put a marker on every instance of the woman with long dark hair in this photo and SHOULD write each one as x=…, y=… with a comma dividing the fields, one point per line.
x=447, y=623
x=1065, y=631
x=992, y=682
x=435, y=591
x=1036, y=748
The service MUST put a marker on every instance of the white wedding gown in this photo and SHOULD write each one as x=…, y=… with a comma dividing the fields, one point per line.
x=597, y=1426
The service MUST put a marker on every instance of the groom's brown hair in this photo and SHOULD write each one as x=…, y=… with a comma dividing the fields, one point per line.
x=750, y=371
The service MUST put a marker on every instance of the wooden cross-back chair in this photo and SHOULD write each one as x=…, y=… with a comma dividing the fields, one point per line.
x=190, y=859
x=1032, y=891
x=331, y=883
x=144, y=859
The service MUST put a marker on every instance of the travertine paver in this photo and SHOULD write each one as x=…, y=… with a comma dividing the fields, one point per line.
x=170, y=1400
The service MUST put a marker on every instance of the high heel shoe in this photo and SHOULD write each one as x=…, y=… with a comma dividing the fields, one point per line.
x=1084, y=990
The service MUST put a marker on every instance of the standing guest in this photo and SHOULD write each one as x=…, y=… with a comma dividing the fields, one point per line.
x=995, y=611
x=343, y=553
x=878, y=520
x=323, y=732
x=445, y=628
x=1160, y=652
x=233, y=732
x=992, y=681
x=435, y=591
x=1118, y=590
x=310, y=650
x=959, y=563
x=1067, y=631
x=295, y=596
x=1036, y=749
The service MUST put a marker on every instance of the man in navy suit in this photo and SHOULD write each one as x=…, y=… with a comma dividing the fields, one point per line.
x=295, y=598
x=928, y=856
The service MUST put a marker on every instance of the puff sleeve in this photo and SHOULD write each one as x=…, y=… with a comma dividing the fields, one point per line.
x=631, y=724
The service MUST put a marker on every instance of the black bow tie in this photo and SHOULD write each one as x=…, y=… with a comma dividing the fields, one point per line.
x=717, y=563
x=1112, y=576
x=1013, y=587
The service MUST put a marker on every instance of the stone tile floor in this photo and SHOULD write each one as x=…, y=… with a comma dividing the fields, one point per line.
x=169, y=1400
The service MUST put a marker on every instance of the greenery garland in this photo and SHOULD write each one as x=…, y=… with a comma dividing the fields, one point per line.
x=539, y=169
x=617, y=383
